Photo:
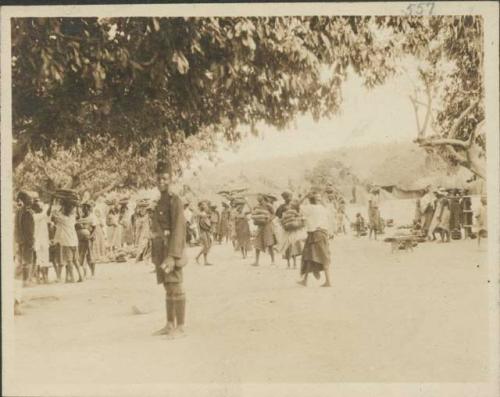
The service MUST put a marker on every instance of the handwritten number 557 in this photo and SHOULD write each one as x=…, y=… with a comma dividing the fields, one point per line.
x=421, y=8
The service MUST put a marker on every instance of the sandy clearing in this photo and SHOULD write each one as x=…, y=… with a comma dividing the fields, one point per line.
x=406, y=317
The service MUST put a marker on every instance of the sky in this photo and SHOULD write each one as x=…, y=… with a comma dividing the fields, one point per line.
x=380, y=115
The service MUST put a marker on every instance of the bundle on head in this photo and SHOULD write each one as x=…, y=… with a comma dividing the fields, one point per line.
x=68, y=196
x=260, y=216
x=292, y=220
x=237, y=201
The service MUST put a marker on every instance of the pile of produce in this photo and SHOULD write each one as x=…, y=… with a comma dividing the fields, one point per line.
x=292, y=220
x=260, y=216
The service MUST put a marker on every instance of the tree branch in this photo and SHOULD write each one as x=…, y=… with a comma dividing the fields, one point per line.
x=415, y=110
x=429, y=106
x=444, y=141
x=75, y=38
x=105, y=190
x=458, y=121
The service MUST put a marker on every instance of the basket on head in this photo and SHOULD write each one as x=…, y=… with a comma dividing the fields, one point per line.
x=68, y=195
x=143, y=203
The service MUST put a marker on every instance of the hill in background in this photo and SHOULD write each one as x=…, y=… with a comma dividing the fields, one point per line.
x=402, y=164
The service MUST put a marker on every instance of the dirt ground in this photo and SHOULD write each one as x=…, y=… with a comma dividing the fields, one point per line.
x=416, y=316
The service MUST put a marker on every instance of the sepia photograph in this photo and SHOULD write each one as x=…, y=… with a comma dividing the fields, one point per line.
x=250, y=199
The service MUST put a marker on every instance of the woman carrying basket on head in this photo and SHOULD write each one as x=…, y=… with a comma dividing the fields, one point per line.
x=265, y=240
x=292, y=223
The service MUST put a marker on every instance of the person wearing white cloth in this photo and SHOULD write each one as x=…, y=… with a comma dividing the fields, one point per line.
x=427, y=207
x=316, y=252
x=42, y=241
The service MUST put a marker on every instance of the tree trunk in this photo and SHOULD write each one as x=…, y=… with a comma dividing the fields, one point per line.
x=20, y=149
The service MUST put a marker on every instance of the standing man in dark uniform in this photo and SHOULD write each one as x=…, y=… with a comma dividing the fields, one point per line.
x=168, y=251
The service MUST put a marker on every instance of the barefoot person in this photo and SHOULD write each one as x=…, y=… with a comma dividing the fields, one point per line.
x=205, y=227
x=242, y=230
x=142, y=231
x=265, y=240
x=64, y=219
x=291, y=246
x=482, y=220
x=85, y=230
x=168, y=251
x=316, y=252
x=42, y=242
x=224, y=224
x=443, y=226
x=374, y=212
x=25, y=235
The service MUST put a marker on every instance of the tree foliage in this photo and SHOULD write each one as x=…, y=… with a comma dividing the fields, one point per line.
x=452, y=78
x=172, y=87
x=141, y=79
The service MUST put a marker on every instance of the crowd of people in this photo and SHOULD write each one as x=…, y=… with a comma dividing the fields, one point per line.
x=71, y=236
x=448, y=214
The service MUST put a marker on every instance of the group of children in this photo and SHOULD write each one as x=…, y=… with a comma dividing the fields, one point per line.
x=58, y=236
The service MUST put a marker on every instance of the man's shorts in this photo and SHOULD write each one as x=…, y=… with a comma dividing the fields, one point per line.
x=175, y=291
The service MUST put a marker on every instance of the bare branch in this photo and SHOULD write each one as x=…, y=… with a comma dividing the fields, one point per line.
x=105, y=190
x=429, y=106
x=415, y=110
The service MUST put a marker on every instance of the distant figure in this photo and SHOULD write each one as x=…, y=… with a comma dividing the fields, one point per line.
x=205, y=225
x=225, y=224
x=455, y=213
x=142, y=233
x=482, y=220
x=114, y=238
x=332, y=214
x=359, y=225
x=85, y=229
x=25, y=235
x=427, y=207
x=191, y=236
x=443, y=226
x=418, y=210
x=99, y=245
x=434, y=225
x=374, y=213
x=125, y=225
x=214, y=220
x=242, y=230
x=340, y=215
